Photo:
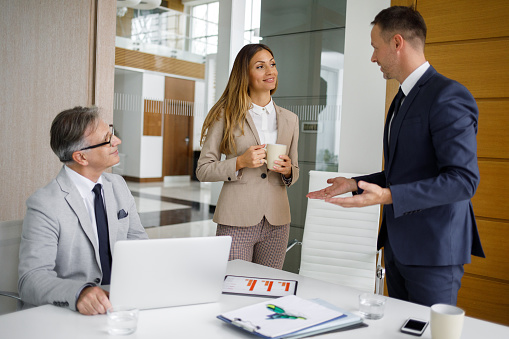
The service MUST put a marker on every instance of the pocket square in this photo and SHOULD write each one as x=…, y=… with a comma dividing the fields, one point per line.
x=122, y=214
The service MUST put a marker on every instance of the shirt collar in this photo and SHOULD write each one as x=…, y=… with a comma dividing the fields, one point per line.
x=83, y=184
x=258, y=110
x=412, y=79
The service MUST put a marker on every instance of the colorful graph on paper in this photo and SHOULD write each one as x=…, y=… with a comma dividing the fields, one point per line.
x=259, y=286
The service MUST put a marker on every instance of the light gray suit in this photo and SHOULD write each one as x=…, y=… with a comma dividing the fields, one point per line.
x=59, y=253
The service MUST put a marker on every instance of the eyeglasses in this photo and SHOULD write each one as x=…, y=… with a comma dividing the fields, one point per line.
x=112, y=133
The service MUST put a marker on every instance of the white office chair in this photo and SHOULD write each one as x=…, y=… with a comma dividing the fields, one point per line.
x=339, y=244
x=10, y=237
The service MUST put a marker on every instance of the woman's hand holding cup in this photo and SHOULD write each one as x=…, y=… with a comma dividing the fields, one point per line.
x=283, y=166
x=253, y=157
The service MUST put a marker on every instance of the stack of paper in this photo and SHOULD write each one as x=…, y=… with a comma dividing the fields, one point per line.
x=290, y=317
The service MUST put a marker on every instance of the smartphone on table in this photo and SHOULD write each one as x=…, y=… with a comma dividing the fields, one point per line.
x=414, y=326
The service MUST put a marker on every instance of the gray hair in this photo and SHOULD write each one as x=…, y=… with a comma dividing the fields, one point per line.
x=67, y=134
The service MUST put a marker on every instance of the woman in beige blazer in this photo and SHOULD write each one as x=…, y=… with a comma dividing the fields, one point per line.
x=253, y=205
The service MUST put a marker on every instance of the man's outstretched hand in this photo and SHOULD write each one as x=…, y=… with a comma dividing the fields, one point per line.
x=339, y=185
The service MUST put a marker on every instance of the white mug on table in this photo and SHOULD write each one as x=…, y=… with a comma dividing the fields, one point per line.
x=446, y=321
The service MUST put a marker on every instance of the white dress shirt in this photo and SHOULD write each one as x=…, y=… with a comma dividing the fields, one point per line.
x=85, y=187
x=412, y=79
x=265, y=122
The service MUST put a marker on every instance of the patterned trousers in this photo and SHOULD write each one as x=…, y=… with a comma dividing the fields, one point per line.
x=264, y=244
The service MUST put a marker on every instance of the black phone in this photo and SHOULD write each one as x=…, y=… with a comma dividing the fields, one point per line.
x=414, y=326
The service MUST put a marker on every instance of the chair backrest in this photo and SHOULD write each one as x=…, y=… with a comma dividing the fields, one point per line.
x=10, y=237
x=339, y=244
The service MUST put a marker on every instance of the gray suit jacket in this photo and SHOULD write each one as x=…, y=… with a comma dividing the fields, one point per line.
x=256, y=192
x=59, y=253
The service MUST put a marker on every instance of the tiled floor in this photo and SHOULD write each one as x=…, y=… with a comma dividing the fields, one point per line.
x=174, y=210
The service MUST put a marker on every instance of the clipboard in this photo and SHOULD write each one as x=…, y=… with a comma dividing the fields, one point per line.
x=259, y=287
x=288, y=317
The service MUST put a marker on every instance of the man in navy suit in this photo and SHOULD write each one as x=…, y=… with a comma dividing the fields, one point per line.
x=428, y=226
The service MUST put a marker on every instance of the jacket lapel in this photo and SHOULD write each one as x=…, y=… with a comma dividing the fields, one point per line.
x=111, y=211
x=251, y=125
x=281, y=123
x=398, y=120
x=75, y=201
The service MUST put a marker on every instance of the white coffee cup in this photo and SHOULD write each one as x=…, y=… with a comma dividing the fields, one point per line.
x=446, y=321
x=273, y=153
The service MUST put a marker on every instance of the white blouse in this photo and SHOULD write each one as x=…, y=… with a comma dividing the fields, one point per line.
x=265, y=122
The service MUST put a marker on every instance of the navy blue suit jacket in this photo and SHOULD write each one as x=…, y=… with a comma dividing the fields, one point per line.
x=431, y=170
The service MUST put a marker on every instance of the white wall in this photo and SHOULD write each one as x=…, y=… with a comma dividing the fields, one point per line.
x=230, y=41
x=143, y=154
x=362, y=116
x=151, y=156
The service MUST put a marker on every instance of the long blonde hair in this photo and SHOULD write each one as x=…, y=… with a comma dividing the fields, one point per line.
x=235, y=101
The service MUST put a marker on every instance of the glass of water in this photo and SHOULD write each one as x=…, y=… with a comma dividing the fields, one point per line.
x=122, y=320
x=372, y=306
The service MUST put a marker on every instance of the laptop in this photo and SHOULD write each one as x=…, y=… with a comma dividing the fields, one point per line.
x=168, y=272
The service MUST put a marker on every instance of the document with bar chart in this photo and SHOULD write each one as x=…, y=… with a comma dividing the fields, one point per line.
x=265, y=287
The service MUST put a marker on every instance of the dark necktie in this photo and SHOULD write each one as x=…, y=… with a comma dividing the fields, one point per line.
x=397, y=104
x=102, y=234
x=397, y=101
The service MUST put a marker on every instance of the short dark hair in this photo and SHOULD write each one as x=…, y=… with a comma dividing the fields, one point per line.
x=401, y=20
x=67, y=134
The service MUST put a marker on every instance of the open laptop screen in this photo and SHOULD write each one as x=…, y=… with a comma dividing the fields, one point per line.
x=168, y=272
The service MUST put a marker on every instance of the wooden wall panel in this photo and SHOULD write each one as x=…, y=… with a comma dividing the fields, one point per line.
x=484, y=299
x=454, y=20
x=157, y=63
x=492, y=196
x=152, y=117
x=493, y=134
x=481, y=66
x=178, y=125
x=494, y=237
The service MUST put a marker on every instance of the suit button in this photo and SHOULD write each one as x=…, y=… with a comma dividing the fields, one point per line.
x=229, y=179
x=97, y=280
x=263, y=175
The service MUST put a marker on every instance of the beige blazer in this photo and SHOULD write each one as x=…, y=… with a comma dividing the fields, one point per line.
x=255, y=192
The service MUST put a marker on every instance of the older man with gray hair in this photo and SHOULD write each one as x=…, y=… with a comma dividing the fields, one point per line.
x=71, y=224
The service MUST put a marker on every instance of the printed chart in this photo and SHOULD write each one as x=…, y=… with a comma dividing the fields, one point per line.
x=259, y=286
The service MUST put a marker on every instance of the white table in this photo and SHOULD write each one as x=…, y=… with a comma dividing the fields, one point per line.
x=199, y=321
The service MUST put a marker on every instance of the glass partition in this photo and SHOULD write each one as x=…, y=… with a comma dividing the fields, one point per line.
x=307, y=38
